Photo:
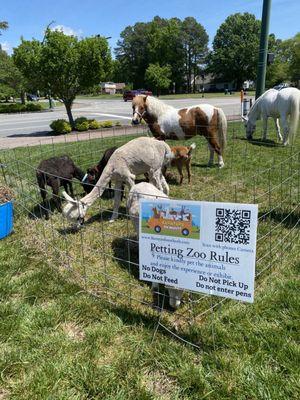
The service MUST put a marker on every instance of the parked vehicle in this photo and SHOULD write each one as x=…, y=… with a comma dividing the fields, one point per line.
x=281, y=86
x=32, y=97
x=130, y=94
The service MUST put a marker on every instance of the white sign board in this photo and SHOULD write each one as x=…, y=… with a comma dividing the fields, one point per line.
x=204, y=247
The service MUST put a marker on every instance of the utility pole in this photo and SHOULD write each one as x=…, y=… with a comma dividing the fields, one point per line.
x=263, y=49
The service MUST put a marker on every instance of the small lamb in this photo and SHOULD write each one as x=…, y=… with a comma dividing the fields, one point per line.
x=139, y=156
x=145, y=190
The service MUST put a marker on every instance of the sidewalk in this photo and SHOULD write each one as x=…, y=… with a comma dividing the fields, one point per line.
x=31, y=140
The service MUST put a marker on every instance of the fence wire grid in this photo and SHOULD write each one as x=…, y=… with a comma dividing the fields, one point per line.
x=102, y=257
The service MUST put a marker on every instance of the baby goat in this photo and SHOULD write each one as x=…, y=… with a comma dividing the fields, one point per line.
x=182, y=157
x=56, y=172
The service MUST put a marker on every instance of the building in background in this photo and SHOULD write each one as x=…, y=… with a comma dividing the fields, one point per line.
x=209, y=83
x=112, y=87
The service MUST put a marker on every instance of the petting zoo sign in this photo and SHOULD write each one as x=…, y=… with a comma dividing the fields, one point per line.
x=204, y=247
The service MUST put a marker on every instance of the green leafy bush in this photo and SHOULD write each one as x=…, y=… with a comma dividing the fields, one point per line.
x=82, y=126
x=11, y=108
x=18, y=107
x=79, y=120
x=106, y=124
x=118, y=123
x=60, y=126
x=93, y=124
x=33, y=107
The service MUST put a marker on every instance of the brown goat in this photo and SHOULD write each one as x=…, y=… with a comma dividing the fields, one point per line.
x=182, y=157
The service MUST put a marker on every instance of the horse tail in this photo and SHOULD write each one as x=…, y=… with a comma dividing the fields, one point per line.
x=294, y=116
x=222, y=129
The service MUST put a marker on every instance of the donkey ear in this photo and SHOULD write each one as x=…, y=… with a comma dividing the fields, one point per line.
x=68, y=198
x=145, y=98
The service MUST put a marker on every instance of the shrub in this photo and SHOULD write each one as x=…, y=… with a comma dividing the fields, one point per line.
x=118, y=123
x=106, y=124
x=33, y=107
x=18, y=107
x=11, y=108
x=82, y=126
x=79, y=120
x=60, y=126
x=93, y=124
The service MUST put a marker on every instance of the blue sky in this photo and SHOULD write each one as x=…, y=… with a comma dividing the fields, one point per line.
x=109, y=18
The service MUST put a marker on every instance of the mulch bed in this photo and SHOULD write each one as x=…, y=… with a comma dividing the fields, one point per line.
x=6, y=194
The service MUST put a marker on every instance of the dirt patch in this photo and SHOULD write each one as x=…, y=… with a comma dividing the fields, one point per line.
x=6, y=194
x=73, y=331
x=4, y=394
x=159, y=384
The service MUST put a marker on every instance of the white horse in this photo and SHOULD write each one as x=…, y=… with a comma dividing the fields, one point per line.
x=277, y=104
x=167, y=122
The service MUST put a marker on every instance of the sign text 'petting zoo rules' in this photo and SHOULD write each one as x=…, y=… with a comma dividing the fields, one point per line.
x=204, y=247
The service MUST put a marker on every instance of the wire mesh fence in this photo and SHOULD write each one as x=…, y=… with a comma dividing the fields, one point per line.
x=102, y=257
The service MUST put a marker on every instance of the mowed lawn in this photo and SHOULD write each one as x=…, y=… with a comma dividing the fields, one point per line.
x=59, y=342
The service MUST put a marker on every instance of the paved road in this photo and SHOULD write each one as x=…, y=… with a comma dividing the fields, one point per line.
x=37, y=124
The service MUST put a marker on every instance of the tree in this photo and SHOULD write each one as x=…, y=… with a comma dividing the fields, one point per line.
x=286, y=65
x=3, y=26
x=235, y=49
x=158, y=77
x=131, y=52
x=12, y=81
x=195, y=40
x=64, y=64
x=294, y=68
x=278, y=71
x=180, y=44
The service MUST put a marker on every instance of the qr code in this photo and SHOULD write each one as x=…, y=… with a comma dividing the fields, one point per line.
x=232, y=226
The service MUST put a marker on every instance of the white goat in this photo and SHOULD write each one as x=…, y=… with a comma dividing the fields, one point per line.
x=139, y=156
x=145, y=190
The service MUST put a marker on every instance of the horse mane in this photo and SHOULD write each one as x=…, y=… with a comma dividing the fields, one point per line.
x=255, y=109
x=156, y=106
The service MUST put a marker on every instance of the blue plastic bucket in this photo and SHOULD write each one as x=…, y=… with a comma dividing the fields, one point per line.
x=6, y=219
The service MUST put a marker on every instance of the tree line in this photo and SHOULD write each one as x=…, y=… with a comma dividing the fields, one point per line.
x=163, y=54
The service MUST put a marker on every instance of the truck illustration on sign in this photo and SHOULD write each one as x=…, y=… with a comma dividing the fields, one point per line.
x=172, y=221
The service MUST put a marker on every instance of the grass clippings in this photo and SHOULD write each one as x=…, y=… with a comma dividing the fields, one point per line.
x=6, y=194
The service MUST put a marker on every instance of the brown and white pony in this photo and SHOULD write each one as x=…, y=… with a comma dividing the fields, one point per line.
x=167, y=122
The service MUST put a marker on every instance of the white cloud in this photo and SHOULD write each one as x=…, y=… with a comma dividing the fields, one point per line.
x=6, y=47
x=67, y=30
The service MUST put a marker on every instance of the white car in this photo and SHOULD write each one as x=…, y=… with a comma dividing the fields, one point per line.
x=281, y=86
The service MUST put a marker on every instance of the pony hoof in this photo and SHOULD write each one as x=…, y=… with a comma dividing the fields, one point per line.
x=210, y=164
x=285, y=143
x=221, y=165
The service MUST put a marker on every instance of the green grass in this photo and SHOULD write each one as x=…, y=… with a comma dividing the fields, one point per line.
x=45, y=104
x=167, y=96
x=101, y=96
x=206, y=95
x=57, y=342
